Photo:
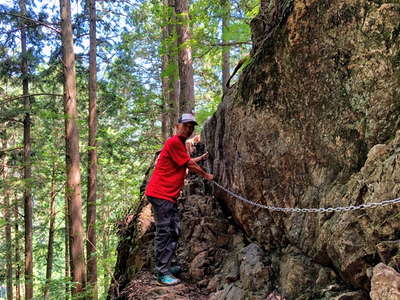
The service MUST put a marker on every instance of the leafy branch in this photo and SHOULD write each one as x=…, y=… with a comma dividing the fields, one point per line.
x=7, y=100
x=32, y=20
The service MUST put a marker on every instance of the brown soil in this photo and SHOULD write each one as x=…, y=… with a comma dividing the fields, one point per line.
x=146, y=287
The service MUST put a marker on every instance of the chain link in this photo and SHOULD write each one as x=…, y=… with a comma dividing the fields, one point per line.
x=311, y=210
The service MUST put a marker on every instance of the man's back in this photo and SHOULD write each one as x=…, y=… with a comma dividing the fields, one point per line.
x=170, y=170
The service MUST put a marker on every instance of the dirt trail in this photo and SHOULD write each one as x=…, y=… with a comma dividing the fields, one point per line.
x=145, y=287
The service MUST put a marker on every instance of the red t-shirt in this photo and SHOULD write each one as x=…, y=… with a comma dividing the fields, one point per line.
x=170, y=171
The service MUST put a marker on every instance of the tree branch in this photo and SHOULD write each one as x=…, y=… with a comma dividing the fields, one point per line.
x=11, y=120
x=11, y=149
x=17, y=211
x=204, y=53
x=231, y=44
x=32, y=20
x=16, y=29
x=6, y=100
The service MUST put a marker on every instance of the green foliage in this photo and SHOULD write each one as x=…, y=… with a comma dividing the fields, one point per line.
x=237, y=31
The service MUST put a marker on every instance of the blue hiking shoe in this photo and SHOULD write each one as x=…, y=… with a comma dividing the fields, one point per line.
x=168, y=279
x=175, y=269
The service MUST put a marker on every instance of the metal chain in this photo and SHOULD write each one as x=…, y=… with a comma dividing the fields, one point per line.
x=311, y=210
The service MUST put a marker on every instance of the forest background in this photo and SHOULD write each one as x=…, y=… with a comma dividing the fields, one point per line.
x=137, y=45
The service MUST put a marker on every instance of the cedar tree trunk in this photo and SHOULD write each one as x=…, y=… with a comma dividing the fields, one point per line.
x=50, y=245
x=92, y=157
x=7, y=219
x=225, y=49
x=164, y=84
x=73, y=186
x=173, y=82
x=27, y=162
x=186, y=96
x=17, y=253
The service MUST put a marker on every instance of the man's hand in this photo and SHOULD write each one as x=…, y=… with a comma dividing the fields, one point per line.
x=193, y=166
x=200, y=158
x=204, y=156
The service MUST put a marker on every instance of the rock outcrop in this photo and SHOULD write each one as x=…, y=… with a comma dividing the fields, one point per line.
x=312, y=122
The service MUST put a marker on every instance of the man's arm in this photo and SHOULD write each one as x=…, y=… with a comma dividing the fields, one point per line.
x=200, y=158
x=193, y=166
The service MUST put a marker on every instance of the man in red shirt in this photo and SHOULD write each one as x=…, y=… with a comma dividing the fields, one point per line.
x=163, y=190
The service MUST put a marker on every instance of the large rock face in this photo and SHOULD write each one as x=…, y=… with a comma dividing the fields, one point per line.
x=313, y=122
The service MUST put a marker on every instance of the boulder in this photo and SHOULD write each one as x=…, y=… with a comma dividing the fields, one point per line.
x=299, y=275
x=254, y=274
x=313, y=122
x=385, y=283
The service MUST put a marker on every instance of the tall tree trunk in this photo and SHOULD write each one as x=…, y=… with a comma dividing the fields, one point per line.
x=173, y=69
x=164, y=75
x=225, y=5
x=50, y=245
x=92, y=156
x=7, y=219
x=73, y=186
x=186, y=97
x=27, y=162
x=17, y=254
x=165, y=94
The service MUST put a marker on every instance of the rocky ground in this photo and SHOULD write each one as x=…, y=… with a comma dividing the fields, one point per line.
x=144, y=286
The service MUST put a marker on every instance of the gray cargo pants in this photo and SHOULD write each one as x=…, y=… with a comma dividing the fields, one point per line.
x=168, y=229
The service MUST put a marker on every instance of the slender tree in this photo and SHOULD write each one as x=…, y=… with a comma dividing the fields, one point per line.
x=7, y=219
x=67, y=257
x=165, y=72
x=105, y=240
x=50, y=245
x=164, y=86
x=225, y=5
x=73, y=185
x=186, y=97
x=173, y=70
x=27, y=159
x=17, y=249
x=92, y=156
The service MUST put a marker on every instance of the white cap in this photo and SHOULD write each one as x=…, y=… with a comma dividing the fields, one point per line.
x=187, y=118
